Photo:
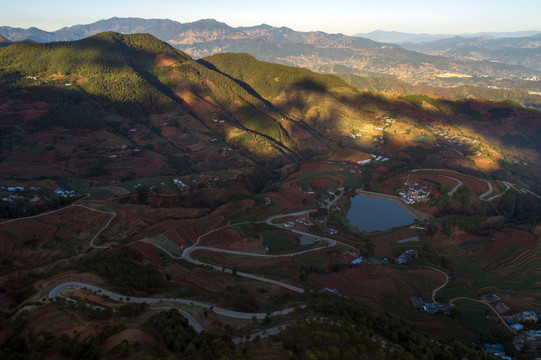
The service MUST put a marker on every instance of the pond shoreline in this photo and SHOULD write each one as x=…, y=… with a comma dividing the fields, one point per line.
x=396, y=199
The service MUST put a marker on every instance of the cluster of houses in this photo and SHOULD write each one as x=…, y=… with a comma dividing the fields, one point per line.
x=379, y=139
x=208, y=180
x=496, y=350
x=419, y=226
x=518, y=321
x=120, y=154
x=64, y=193
x=15, y=193
x=412, y=194
x=329, y=196
x=180, y=185
x=380, y=158
x=429, y=307
x=32, y=194
x=452, y=141
x=348, y=258
x=529, y=338
x=357, y=135
x=387, y=120
x=307, y=189
x=330, y=231
x=406, y=256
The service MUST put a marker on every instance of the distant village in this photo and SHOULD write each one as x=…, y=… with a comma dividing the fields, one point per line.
x=33, y=194
x=412, y=193
x=186, y=184
x=521, y=322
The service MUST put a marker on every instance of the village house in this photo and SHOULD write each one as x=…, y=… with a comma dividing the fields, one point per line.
x=180, y=185
x=406, y=256
x=529, y=316
x=304, y=221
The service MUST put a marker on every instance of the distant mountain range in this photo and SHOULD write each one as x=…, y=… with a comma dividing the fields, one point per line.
x=524, y=51
x=318, y=51
x=397, y=37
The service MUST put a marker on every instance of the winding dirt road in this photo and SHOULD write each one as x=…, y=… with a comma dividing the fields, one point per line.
x=434, y=292
x=483, y=196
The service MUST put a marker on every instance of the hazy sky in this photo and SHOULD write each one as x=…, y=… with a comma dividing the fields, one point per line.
x=338, y=16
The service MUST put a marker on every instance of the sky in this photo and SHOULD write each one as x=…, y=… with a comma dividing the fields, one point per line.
x=333, y=16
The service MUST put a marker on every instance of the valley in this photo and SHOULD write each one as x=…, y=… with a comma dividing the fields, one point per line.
x=145, y=193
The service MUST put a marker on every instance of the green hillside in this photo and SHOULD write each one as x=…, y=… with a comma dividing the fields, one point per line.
x=269, y=79
x=114, y=67
x=192, y=114
x=120, y=70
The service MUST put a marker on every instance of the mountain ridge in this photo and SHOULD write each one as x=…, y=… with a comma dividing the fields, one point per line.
x=399, y=37
x=315, y=50
x=524, y=51
x=271, y=114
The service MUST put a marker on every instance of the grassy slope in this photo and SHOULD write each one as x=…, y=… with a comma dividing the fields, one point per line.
x=120, y=70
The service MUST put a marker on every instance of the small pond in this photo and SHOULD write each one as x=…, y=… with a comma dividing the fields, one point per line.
x=373, y=214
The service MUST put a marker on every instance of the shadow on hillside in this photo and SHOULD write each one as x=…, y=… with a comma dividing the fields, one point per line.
x=121, y=74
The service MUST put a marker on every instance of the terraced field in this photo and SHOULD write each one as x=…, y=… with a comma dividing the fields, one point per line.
x=506, y=264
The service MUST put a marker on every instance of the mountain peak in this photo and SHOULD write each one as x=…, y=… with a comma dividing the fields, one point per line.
x=209, y=24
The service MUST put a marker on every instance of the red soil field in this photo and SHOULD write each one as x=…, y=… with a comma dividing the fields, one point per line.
x=320, y=182
x=57, y=322
x=386, y=245
x=130, y=218
x=350, y=155
x=228, y=260
x=44, y=284
x=207, y=279
x=373, y=282
x=513, y=239
x=131, y=335
x=147, y=253
x=231, y=239
x=35, y=241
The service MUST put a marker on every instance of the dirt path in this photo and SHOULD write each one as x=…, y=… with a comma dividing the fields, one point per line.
x=103, y=227
x=490, y=306
x=451, y=193
x=483, y=196
x=162, y=301
x=434, y=292
x=163, y=304
x=186, y=254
